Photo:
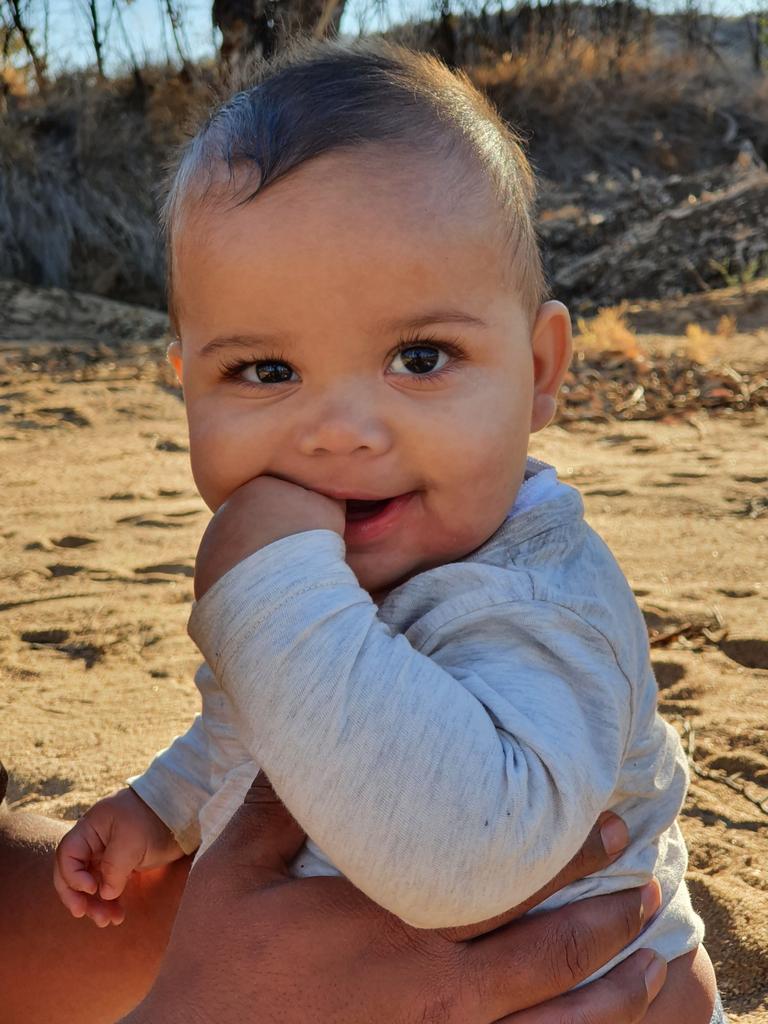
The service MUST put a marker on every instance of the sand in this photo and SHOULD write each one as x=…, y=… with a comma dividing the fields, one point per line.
x=99, y=530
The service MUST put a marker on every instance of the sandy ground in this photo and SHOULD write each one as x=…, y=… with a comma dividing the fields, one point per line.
x=99, y=530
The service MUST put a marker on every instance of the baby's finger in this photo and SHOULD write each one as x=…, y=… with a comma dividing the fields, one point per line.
x=73, y=855
x=75, y=902
x=115, y=868
x=104, y=912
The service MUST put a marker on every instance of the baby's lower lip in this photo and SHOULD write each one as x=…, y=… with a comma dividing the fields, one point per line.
x=372, y=528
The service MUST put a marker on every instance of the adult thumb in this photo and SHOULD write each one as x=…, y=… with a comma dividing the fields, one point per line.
x=263, y=833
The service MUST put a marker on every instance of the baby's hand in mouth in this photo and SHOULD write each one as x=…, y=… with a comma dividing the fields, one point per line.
x=261, y=511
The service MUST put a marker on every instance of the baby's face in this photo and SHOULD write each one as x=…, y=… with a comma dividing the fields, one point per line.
x=349, y=331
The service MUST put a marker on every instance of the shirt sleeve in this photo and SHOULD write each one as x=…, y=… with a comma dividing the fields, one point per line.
x=448, y=783
x=181, y=778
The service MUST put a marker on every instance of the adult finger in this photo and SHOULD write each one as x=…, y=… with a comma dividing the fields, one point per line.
x=262, y=837
x=604, y=844
x=624, y=994
x=543, y=955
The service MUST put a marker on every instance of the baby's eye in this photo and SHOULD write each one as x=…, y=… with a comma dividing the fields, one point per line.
x=265, y=372
x=255, y=372
x=420, y=359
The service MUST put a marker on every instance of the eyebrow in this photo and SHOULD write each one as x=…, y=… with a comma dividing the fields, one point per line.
x=437, y=316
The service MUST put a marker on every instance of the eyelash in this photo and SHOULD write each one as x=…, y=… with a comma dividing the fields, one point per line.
x=230, y=370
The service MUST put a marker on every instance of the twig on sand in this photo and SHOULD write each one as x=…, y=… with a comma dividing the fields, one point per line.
x=716, y=774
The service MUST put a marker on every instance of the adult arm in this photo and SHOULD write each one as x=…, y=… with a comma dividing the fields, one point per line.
x=436, y=779
x=252, y=944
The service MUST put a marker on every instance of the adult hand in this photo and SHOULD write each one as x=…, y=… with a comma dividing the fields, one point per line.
x=251, y=943
x=259, y=512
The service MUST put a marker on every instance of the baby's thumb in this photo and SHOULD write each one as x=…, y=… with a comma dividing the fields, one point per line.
x=115, y=869
x=264, y=833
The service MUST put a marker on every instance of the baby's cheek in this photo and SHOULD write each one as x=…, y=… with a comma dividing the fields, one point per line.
x=211, y=468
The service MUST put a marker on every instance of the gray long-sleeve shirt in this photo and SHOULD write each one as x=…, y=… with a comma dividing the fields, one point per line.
x=449, y=750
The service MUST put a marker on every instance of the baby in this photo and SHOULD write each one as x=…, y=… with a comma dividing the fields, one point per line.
x=406, y=622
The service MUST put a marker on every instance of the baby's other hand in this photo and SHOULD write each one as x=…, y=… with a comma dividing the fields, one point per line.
x=95, y=859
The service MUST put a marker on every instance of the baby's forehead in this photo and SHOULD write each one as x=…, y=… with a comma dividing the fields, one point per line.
x=456, y=186
x=395, y=199
x=394, y=203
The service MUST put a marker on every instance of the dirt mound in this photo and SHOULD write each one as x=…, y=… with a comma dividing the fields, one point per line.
x=698, y=244
x=54, y=315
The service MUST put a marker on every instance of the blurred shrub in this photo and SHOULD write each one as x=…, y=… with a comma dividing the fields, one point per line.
x=79, y=171
x=80, y=165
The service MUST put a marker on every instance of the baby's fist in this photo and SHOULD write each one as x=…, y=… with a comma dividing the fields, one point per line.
x=95, y=859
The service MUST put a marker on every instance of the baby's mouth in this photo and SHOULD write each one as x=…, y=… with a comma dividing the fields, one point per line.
x=365, y=509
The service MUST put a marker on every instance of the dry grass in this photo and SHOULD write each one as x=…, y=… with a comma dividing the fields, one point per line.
x=704, y=347
x=609, y=334
x=592, y=109
x=80, y=167
x=78, y=172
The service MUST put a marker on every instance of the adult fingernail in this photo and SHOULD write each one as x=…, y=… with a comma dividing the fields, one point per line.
x=650, y=899
x=615, y=836
x=655, y=974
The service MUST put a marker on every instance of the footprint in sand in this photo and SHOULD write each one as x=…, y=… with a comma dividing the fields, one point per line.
x=45, y=636
x=90, y=653
x=748, y=652
x=22, y=789
x=142, y=519
x=682, y=692
x=754, y=508
x=59, y=569
x=65, y=414
x=20, y=423
x=667, y=673
x=170, y=446
x=167, y=568
x=73, y=541
x=56, y=639
x=747, y=764
x=614, y=439
x=644, y=449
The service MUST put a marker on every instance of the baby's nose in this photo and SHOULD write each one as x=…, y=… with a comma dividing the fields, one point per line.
x=345, y=427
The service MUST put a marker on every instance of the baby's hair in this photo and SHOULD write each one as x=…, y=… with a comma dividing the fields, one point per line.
x=317, y=96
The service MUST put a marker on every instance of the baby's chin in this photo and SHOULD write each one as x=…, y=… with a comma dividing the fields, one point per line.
x=382, y=572
x=375, y=579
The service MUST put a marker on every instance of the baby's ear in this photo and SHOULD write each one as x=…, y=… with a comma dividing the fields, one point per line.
x=173, y=354
x=552, y=345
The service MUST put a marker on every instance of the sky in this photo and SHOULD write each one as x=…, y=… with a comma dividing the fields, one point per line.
x=148, y=29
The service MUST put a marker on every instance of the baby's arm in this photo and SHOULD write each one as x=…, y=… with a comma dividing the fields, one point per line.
x=448, y=782
x=183, y=777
